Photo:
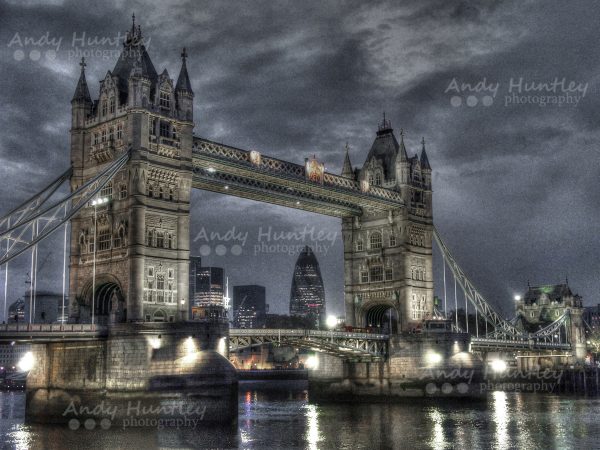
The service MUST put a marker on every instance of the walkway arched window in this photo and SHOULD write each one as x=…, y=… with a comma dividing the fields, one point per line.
x=375, y=240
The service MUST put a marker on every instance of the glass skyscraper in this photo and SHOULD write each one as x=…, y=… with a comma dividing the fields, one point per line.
x=307, y=298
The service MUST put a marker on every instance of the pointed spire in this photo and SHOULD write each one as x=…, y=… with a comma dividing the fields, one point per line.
x=402, y=149
x=183, y=81
x=424, y=160
x=82, y=93
x=347, y=168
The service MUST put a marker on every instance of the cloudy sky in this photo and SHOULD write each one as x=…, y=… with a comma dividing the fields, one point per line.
x=515, y=170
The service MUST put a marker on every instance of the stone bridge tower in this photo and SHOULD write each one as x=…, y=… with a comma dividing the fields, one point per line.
x=138, y=240
x=388, y=255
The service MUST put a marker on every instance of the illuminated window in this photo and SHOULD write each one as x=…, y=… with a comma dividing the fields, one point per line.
x=160, y=288
x=375, y=240
x=376, y=274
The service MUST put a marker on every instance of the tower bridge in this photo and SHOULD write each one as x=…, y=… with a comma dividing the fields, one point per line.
x=135, y=159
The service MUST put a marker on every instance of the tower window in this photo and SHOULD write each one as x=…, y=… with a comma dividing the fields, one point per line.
x=107, y=190
x=160, y=240
x=388, y=274
x=152, y=126
x=171, y=194
x=164, y=129
x=376, y=274
x=377, y=179
x=123, y=192
x=111, y=134
x=392, y=240
x=359, y=246
x=164, y=99
x=96, y=138
x=104, y=108
x=174, y=133
x=364, y=277
x=150, y=190
x=160, y=192
x=119, y=131
x=112, y=105
x=104, y=240
x=375, y=240
x=103, y=135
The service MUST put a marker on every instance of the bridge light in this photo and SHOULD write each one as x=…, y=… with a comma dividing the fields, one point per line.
x=211, y=170
x=517, y=298
x=331, y=321
x=312, y=362
x=26, y=362
x=498, y=365
x=226, y=188
x=433, y=358
x=155, y=342
x=99, y=201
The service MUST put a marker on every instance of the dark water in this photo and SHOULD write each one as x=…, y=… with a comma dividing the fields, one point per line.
x=280, y=415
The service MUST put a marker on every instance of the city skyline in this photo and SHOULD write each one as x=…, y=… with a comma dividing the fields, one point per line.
x=522, y=160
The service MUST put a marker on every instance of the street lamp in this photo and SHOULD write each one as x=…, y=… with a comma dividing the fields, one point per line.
x=95, y=203
x=331, y=322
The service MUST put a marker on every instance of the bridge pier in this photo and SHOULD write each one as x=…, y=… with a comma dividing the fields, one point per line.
x=136, y=374
x=417, y=366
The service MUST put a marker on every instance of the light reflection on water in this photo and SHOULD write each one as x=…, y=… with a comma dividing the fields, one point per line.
x=280, y=415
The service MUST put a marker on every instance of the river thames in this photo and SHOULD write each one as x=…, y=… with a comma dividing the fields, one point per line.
x=281, y=415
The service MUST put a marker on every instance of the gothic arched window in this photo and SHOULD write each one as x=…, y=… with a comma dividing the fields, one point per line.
x=112, y=105
x=378, y=179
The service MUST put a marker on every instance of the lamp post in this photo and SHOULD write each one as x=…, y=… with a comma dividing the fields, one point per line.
x=95, y=203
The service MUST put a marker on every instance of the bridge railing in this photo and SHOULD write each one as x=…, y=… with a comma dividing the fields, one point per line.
x=48, y=328
x=304, y=333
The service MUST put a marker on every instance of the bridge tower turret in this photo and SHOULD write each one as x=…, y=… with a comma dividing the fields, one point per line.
x=388, y=254
x=136, y=243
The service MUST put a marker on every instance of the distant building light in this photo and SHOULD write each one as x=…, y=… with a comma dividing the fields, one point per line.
x=211, y=170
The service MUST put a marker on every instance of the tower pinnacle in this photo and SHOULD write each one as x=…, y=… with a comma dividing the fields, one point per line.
x=347, y=167
x=82, y=93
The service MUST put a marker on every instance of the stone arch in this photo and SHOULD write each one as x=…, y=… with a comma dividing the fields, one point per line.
x=382, y=317
x=108, y=302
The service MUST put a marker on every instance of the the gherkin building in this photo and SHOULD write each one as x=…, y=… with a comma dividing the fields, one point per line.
x=307, y=298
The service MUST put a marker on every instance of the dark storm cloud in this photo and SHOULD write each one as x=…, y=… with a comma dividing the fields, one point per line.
x=515, y=186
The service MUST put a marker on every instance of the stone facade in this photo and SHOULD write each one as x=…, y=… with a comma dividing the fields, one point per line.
x=388, y=255
x=139, y=239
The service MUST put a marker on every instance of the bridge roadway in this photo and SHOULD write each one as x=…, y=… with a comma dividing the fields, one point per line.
x=359, y=347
